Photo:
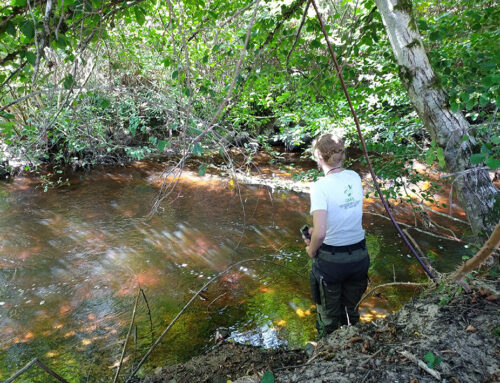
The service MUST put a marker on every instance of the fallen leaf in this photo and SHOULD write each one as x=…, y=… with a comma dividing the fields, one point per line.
x=484, y=291
x=414, y=380
x=470, y=328
x=491, y=297
x=366, y=346
x=355, y=339
x=117, y=363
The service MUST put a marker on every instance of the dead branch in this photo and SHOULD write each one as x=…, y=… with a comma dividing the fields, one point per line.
x=477, y=260
x=304, y=15
x=416, y=228
x=128, y=336
x=31, y=364
x=149, y=314
x=444, y=215
x=422, y=255
x=421, y=364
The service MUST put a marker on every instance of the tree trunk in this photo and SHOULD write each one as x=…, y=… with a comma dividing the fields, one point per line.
x=476, y=193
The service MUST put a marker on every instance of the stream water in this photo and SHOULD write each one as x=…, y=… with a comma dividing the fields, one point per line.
x=72, y=260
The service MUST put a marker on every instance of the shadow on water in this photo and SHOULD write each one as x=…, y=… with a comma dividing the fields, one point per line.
x=71, y=262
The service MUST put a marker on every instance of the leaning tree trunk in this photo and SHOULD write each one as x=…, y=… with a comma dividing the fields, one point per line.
x=476, y=193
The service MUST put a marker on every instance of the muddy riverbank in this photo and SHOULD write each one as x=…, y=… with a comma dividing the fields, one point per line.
x=455, y=335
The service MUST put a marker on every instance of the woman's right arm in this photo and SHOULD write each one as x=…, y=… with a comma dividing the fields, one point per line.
x=318, y=232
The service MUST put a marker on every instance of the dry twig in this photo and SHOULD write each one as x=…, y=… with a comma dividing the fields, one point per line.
x=421, y=364
x=128, y=336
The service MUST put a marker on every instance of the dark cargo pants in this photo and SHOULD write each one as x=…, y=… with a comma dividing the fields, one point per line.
x=338, y=280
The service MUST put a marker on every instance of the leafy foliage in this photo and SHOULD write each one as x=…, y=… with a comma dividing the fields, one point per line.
x=432, y=360
x=102, y=81
x=460, y=35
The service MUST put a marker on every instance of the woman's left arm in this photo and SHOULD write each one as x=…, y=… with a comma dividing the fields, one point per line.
x=318, y=233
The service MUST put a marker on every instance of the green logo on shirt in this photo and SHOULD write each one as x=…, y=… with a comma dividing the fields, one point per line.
x=348, y=194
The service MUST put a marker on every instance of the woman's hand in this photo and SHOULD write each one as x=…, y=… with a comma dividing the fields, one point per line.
x=308, y=240
x=309, y=251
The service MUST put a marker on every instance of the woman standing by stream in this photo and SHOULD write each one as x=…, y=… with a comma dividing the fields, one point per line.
x=337, y=246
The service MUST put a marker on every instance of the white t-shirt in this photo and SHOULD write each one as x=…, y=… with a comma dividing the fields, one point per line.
x=341, y=195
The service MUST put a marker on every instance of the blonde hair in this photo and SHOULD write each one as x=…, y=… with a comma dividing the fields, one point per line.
x=331, y=149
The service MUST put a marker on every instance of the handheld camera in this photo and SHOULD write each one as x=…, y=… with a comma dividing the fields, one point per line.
x=304, y=230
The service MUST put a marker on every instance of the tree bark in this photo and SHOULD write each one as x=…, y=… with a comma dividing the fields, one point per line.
x=476, y=193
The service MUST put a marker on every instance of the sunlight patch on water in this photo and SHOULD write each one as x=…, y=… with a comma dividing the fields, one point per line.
x=262, y=336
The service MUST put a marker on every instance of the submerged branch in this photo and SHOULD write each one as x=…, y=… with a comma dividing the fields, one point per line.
x=128, y=336
x=371, y=291
x=416, y=228
x=41, y=365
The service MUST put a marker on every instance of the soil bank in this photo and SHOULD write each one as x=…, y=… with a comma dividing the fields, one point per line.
x=453, y=334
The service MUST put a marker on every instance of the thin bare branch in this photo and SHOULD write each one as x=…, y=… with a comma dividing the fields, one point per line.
x=42, y=365
x=304, y=15
x=128, y=336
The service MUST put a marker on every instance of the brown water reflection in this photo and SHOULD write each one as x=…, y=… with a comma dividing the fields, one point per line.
x=71, y=261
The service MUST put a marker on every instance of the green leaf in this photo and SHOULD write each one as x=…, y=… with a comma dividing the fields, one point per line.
x=493, y=163
x=440, y=157
x=483, y=100
x=167, y=61
x=198, y=150
x=202, y=170
x=477, y=158
x=62, y=41
x=471, y=104
x=139, y=16
x=161, y=145
x=7, y=128
x=422, y=25
x=10, y=28
x=495, y=140
x=486, y=148
x=186, y=91
x=27, y=29
x=175, y=74
x=68, y=81
x=430, y=157
x=316, y=43
x=18, y=3
x=31, y=57
x=454, y=106
x=429, y=358
x=435, y=36
x=268, y=377
x=104, y=103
